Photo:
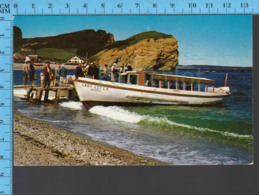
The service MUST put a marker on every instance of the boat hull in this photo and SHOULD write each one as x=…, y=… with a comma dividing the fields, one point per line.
x=95, y=92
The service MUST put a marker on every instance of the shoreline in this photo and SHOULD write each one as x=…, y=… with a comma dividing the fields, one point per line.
x=39, y=144
x=19, y=66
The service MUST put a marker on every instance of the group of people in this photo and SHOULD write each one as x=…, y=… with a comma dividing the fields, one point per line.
x=28, y=72
x=56, y=77
x=92, y=70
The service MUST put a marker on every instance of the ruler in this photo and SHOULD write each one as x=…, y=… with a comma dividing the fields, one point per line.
x=10, y=8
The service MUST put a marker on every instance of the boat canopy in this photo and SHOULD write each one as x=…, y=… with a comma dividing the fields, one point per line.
x=166, y=81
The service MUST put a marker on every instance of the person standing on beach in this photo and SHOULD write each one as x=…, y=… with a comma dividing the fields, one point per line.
x=32, y=72
x=47, y=71
x=57, y=75
x=63, y=74
x=25, y=73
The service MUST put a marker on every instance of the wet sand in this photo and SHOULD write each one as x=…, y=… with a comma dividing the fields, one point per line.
x=39, y=144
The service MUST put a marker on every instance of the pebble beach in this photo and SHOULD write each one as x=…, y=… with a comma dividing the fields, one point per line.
x=39, y=144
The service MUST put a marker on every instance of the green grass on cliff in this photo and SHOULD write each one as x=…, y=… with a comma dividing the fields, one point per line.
x=61, y=55
x=136, y=38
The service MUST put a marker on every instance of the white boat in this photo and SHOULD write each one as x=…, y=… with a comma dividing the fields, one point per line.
x=148, y=88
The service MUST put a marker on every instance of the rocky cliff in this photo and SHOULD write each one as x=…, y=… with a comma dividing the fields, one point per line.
x=145, y=51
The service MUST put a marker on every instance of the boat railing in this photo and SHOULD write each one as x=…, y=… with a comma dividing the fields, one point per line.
x=176, y=82
x=179, y=82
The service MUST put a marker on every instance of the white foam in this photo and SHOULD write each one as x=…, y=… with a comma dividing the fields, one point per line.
x=117, y=113
x=224, y=133
x=72, y=105
x=19, y=93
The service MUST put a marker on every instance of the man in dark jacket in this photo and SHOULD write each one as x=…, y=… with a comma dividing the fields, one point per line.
x=79, y=71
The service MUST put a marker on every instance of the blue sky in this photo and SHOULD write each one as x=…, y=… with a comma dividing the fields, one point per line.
x=202, y=39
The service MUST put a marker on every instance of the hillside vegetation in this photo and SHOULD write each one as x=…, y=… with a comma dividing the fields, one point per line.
x=147, y=51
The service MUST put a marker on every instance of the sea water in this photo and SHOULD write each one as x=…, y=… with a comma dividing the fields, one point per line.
x=177, y=135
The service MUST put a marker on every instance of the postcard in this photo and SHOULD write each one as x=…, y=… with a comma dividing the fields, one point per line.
x=133, y=90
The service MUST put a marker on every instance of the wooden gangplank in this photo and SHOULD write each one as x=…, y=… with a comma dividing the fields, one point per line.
x=35, y=93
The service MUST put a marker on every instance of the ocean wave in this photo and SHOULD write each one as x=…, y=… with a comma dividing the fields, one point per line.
x=120, y=114
x=72, y=105
x=164, y=122
x=116, y=113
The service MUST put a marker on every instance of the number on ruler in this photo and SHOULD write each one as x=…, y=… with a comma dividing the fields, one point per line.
x=67, y=5
x=192, y=5
x=103, y=5
x=137, y=5
x=244, y=5
x=154, y=5
x=85, y=5
x=50, y=5
x=227, y=5
x=15, y=5
x=119, y=5
x=172, y=5
x=209, y=5
x=33, y=5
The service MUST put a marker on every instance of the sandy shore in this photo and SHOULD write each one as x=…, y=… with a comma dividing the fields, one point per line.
x=38, y=144
x=19, y=66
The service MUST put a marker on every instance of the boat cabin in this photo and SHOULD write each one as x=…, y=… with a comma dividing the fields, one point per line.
x=176, y=82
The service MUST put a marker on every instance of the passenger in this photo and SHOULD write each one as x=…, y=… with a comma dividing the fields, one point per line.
x=96, y=70
x=47, y=71
x=32, y=72
x=79, y=71
x=84, y=68
x=122, y=70
x=113, y=72
x=129, y=68
x=90, y=72
x=105, y=72
x=25, y=73
x=57, y=75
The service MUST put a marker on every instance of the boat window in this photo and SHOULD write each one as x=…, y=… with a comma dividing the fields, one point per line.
x=188, y=86
x=123, y=78
x=147, y=80
x=133, y=79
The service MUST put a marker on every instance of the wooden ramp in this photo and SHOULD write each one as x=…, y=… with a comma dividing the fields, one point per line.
x=38, y=94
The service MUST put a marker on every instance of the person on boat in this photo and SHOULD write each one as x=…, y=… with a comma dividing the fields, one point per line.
x=47, y=72
x=105, y=72
x=90, y=72
x=96, y=70
x=129, y=68
x=122, y=69
x=25, y=73
x=113, y=72
x=32, y=72
x=84, y=68
x=57, y=75
x=79, y=71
